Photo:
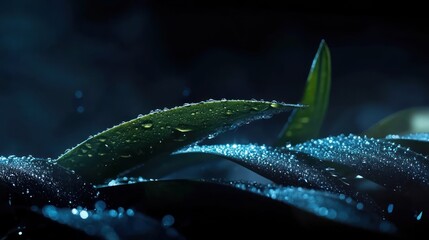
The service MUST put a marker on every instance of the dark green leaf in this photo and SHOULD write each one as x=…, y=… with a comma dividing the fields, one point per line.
x=413, y=120
x=305, y=123
x=132, y=143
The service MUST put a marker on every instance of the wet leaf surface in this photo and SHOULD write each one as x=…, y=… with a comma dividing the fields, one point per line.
x=40, y=181
x=131, y=143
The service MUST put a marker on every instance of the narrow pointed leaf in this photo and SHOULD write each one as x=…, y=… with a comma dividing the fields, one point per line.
x=383, y=162
x=282, y=167
x=132, y=143
x=305, y=123
x=413, y=120
x=39, y=181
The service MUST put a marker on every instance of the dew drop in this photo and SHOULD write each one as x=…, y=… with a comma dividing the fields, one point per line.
x=183, y=130
x=147, y=124
x=390, y=208
x=167, y=220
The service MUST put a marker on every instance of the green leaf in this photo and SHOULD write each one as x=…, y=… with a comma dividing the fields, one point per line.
x=412, y=120
x=132, y=143
x=305, y=123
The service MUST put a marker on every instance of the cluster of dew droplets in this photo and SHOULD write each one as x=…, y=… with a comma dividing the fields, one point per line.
x=384, y=162
x=126, y=180
x=337, y=207
x=412, y=136
x=110, y=224
x=43, y=181
x=280, y=166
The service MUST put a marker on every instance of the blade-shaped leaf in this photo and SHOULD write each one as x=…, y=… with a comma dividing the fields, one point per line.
x=131, y=143
x=280, y=166
x=305, y=123
x=337, y=207
x=111, y=224
x=413, y=120
x=257, y=207
x=40, y=181
x=383, y=162
x=418, y=142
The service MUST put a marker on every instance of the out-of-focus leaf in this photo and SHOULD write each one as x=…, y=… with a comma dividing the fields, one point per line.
x=196, y=208
x=413, y=120
x=132, y=143
x=113, y=224
x=40, y=181
x=305, y=123
x=383, y=162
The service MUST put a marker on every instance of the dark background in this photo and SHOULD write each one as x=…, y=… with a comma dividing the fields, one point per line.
x=70, y=69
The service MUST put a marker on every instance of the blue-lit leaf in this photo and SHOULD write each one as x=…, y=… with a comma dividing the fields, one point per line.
x=305, y=123
x=418, y=142
x=113, y=224
x=41, y=181
x=132, y=143
x=280, y=166
x=337, y=207
x=383, y=162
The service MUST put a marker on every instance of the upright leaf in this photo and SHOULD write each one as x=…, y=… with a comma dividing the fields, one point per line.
x=132, y=143
x=305, y=123
x=413, y=120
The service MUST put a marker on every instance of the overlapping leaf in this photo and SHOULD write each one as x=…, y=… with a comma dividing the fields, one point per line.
x=131, y=143
x=41, y=181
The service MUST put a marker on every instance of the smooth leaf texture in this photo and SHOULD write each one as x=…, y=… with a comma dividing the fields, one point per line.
x=305, y=123
x=40, y=181
x=280, y=166
x=113, y=224
x=383, y=162
x=413, y=120
x=132, y=143
x=252, y=208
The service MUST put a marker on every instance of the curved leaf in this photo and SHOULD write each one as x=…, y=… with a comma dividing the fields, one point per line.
x=283, y=167
x=40, y=181
x=411, y=120
x=257, y=207
x=110, y=224
x=305, y=123
x=131, y=143
x=418, y=142
x=383, y=162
